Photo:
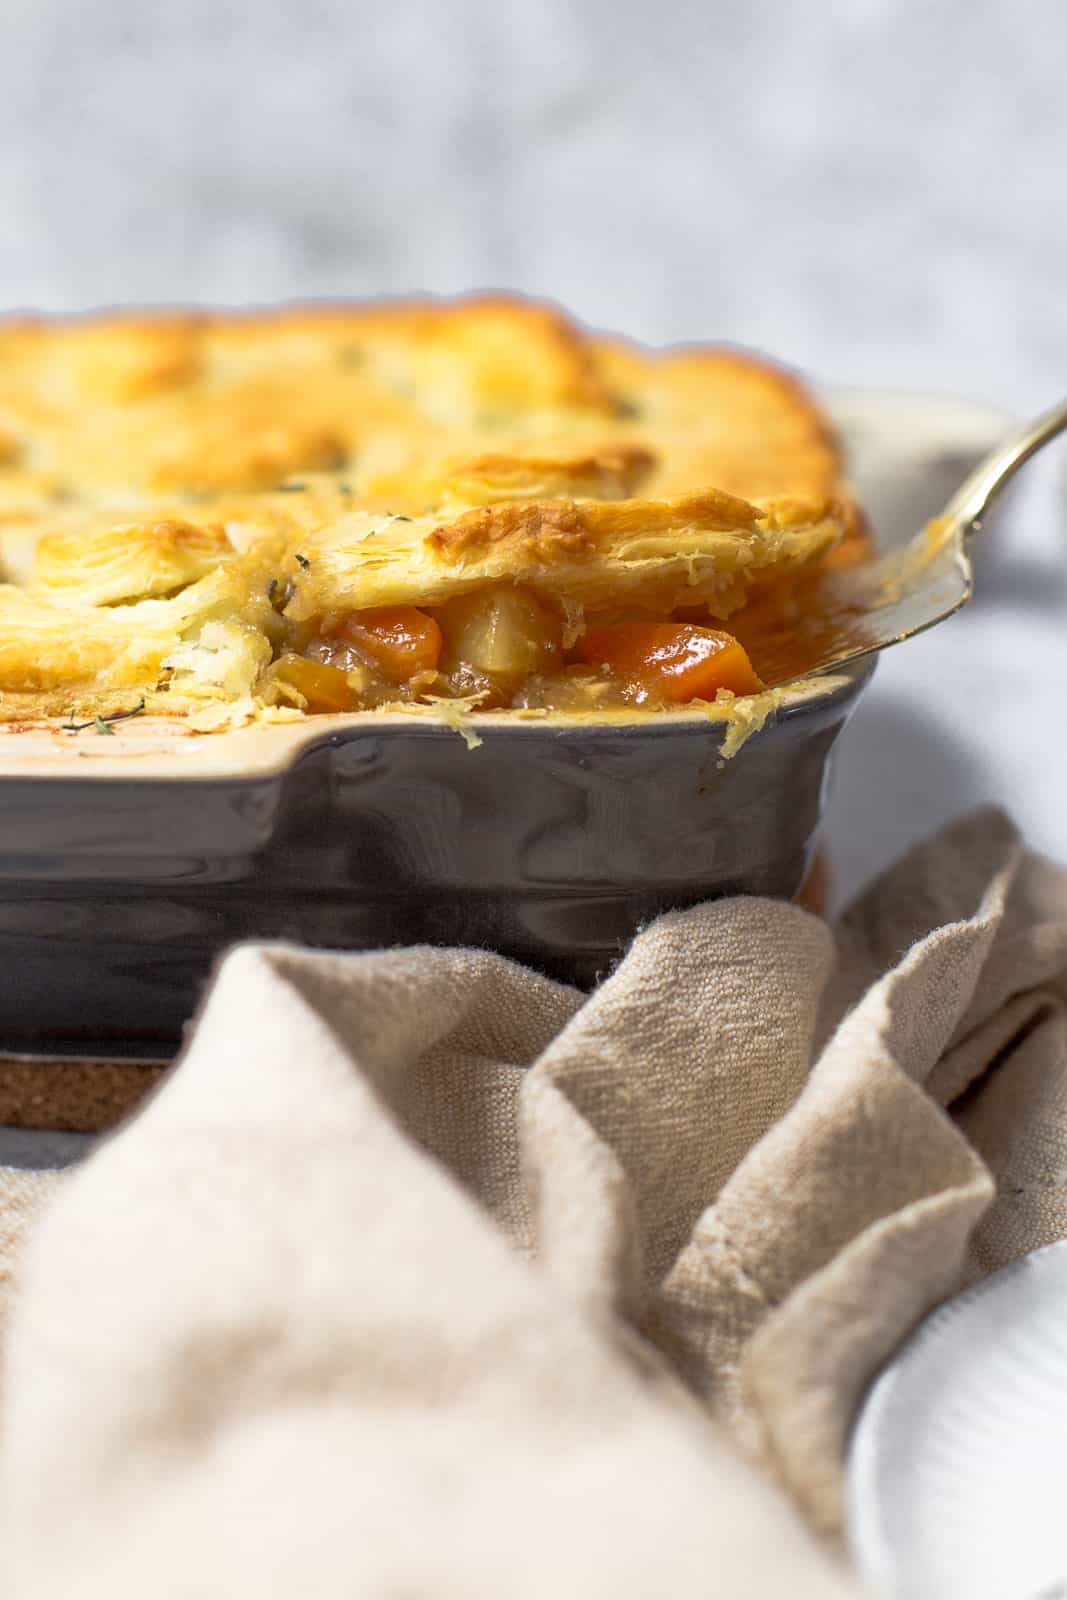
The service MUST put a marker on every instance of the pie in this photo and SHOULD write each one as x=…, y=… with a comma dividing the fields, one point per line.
x=462, y=506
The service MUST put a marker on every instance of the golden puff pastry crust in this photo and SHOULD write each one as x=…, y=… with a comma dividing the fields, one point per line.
x=658, y=554
x=194, y=506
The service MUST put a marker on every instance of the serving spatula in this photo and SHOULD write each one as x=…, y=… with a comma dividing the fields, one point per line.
x=900, y=593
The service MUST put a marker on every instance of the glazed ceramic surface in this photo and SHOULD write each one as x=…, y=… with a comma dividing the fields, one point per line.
x=121, y=881
x=549, y=843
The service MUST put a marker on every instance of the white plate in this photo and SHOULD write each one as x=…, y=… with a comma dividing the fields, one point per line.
x=958, y=1468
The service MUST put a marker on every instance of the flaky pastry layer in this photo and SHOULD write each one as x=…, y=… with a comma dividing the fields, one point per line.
x=183, y=495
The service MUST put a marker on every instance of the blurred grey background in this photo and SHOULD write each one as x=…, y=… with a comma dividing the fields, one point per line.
x=872, y=190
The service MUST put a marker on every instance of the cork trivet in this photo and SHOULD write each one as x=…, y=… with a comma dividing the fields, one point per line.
x=814, y=891
x=71, y=1096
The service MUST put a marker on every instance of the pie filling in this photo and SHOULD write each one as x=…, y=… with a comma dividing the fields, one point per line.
x=503, y=647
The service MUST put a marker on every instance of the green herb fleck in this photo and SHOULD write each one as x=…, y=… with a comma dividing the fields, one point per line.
x=290, y=488
x=102, y=724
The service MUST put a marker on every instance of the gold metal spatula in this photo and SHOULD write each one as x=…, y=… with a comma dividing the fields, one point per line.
x=907, y=590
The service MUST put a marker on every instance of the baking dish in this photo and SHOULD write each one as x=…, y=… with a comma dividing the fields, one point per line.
x=121, y=881
x=549, y=842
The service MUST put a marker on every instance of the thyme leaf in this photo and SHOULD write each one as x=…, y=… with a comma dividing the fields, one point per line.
x=103, y=724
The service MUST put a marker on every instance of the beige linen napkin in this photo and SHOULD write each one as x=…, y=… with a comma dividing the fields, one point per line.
x=423, y=1275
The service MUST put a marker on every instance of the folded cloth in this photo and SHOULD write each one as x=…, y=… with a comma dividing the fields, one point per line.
x=423, y=1275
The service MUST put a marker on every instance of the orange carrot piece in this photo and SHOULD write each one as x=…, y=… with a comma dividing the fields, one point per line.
x=676, y=660
x=399, y=640
x=324, y=688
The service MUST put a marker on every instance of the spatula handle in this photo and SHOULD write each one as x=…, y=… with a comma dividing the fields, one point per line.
x=978, y=491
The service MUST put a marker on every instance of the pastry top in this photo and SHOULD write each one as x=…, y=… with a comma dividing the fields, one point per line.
x=141, y=406
x=179, y=490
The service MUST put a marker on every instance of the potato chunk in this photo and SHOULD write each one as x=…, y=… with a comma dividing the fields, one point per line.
x=502, y=634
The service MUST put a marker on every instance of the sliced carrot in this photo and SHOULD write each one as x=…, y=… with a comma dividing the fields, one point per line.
x=675, y=660
x=323, y=687
x=399, y=640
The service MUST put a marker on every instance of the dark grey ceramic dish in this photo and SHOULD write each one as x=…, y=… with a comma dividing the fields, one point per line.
x=121, y=880
x=120, y=884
